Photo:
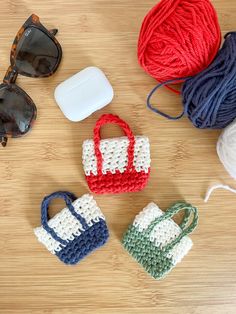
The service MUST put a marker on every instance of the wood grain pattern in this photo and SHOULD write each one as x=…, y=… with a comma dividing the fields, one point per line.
x=184, y=163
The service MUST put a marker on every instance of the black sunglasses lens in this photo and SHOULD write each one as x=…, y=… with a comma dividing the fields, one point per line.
x=36, y=53
x=17, y=111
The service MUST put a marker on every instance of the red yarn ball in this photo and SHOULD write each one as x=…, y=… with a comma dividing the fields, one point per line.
x=178, y=38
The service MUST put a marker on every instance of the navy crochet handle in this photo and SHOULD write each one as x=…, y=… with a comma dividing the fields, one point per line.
x=69, y=198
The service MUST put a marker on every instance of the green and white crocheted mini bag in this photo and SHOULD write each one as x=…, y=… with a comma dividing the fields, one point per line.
x=156, y=241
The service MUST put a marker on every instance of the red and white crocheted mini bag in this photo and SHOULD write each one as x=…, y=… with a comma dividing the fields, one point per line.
x=116, y=165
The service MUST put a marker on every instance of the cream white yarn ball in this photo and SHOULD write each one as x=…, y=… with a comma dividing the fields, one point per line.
x=226, y=148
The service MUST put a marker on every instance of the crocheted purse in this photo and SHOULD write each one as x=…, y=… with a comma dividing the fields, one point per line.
x=156, y=241
x=119, y=164
x=74, y=232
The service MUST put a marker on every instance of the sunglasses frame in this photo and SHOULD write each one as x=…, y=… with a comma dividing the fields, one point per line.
x=12, y=71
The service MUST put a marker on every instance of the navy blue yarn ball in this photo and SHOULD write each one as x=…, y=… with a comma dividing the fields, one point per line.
x=209, y=98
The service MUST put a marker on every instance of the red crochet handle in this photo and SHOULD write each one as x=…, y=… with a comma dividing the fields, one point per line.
x=110, y=118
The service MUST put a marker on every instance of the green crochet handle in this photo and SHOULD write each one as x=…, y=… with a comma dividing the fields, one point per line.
x=173, y=210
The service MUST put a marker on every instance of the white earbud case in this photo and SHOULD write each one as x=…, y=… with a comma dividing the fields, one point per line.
x=85, y=92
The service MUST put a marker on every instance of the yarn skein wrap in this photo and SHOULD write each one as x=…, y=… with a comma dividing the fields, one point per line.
x=226, y=149
x=209, y=98
x=178, y=39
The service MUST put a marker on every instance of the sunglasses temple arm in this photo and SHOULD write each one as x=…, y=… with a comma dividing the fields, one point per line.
x=3, y=141
x=53, y=31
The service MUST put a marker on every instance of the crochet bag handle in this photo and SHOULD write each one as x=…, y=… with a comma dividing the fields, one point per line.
x=173, y=210
x=110, y=118
x=68, y=198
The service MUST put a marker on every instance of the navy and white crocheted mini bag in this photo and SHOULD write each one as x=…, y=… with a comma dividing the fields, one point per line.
x=74, y=232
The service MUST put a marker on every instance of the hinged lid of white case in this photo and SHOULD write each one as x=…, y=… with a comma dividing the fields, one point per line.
x=83, y=93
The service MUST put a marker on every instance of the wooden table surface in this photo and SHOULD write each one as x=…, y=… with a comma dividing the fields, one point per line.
x=184, y=164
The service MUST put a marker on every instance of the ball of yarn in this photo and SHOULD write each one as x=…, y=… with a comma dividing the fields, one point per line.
x=226, y=149
x=209, y=98
x=178, y=38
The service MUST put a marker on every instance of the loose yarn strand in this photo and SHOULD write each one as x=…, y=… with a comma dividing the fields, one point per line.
x=215, y=187
x=209, y=98
x=153, y=91
x=181, y=39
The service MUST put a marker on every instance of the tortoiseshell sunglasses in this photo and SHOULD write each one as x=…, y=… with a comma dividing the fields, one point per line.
x=35, y=53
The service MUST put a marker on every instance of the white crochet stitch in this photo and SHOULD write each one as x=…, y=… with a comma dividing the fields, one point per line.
x=114, y=154
x=164, y=232
x=66, y=225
